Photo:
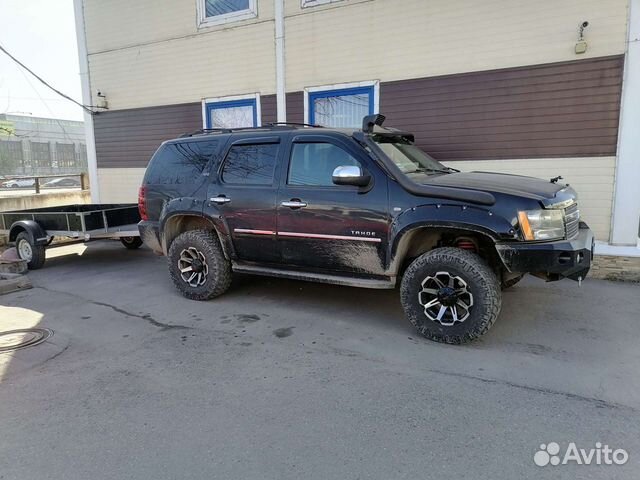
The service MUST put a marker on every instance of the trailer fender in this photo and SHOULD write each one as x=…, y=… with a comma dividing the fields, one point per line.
x=38, y=234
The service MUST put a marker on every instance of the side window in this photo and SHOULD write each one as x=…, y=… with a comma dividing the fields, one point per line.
x=313, y=163
x=250, y=164
x=180, y=163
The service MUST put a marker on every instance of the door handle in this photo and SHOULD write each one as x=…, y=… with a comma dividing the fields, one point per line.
x=294, y=203
x=220, y=199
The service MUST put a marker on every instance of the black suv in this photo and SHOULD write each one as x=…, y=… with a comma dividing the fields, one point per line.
x=362, y=208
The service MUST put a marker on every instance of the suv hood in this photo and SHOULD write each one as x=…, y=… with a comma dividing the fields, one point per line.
x=529, y=187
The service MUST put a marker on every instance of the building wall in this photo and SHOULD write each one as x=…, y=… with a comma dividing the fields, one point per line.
x=591, y=177
x=390, y=40
x=166, y=59
x=492, y=85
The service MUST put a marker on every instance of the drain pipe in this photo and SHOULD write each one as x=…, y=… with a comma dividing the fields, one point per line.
x=281, y=92
x=92, y=162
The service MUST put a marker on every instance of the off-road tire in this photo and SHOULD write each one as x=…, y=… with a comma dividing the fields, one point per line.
x=481, y=281
x=511, y=282
x=131, y=243
x=38, y=255
x=219, y=277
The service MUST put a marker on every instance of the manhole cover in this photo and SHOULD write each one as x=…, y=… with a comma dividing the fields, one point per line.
x=15, y=339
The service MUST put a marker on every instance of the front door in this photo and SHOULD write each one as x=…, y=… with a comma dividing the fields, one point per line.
x=323, y=226
x=243, y=193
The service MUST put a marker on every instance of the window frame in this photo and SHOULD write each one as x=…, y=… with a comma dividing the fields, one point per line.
x=326, y=91
x=315, y=3
x=214, y=103
x=204, y=21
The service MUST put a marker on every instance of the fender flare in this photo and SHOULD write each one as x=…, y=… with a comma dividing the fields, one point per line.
x=457, y=217
x=218, y=224
x=38, y=234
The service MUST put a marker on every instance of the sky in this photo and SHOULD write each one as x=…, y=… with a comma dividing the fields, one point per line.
x=41, y=34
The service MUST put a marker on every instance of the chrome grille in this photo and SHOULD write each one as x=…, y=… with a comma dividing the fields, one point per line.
x=571, y=220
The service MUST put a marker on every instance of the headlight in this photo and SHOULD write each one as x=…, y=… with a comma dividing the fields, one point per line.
x=542, y=224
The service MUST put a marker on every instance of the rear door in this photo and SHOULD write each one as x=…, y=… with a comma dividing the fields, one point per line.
x=243, y=193
x=323, y=226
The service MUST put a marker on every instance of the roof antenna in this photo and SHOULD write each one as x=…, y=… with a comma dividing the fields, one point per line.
x=371, y=121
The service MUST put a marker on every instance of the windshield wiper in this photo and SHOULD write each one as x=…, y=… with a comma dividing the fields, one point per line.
x=425, y=169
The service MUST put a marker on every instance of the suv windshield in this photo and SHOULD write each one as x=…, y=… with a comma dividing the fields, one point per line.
x=409, y=158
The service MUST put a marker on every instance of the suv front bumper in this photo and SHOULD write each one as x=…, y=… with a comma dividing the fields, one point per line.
x=551, y=260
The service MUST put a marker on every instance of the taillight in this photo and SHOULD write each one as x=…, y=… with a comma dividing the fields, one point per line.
x=142, y=203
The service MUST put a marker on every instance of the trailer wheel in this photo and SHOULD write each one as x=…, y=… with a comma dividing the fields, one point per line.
x=131, y=242
x=450, y=295
x=29, y=251
x=197, y=265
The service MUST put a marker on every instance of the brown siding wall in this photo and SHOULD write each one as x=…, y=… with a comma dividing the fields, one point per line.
x=128, y=138
x=557, y=110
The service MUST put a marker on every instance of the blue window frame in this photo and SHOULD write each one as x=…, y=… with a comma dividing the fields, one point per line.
x=231, y=114
x=341, y=108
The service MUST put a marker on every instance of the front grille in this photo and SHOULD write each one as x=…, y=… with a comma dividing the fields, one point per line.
x=571, y=220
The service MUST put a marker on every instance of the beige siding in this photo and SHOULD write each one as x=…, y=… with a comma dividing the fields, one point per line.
x=147, y=53
x=120, y=185
x=230, y=62
x=162, y=68
x=391, y=40
x=116, y=24
x=592, y=178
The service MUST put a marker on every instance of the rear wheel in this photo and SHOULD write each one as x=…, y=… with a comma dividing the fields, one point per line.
x=450, y=295
x=27, y=250
x=131, y=242
x=197, y=265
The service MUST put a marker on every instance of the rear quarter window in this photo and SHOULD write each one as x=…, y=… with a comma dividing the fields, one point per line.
x=180, y=163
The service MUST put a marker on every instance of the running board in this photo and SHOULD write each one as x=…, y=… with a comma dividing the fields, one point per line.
x=315, y=277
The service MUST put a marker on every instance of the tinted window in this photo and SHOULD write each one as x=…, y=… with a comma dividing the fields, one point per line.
x=314, y=163
x=180, y=163
x=250, y=164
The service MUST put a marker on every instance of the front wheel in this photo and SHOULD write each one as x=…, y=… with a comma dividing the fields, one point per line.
x=29, y=251
x=450, y=295
x=197, y=265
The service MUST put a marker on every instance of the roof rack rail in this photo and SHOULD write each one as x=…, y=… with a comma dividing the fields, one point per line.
x=206, y=130
x=294, y=124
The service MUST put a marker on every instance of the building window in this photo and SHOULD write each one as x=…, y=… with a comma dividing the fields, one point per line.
x=66, y=155
x=313, y=3
x=40, y=155
x=231, y=112
x=215, y=12
x=341, y=106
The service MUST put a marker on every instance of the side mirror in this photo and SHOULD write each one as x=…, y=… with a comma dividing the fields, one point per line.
x=351, y=175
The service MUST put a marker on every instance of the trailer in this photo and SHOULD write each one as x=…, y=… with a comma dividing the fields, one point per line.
x=33, y=230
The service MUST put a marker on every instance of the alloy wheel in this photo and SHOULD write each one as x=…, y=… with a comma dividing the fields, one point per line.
x=445, y=298
x=193, y=267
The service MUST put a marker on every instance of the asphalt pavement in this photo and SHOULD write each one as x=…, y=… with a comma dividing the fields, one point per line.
x=282, y=379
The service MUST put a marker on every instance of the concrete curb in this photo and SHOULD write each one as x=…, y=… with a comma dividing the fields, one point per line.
x=12, y=282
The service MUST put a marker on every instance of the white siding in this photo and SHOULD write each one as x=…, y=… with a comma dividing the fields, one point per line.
x=591, y=177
